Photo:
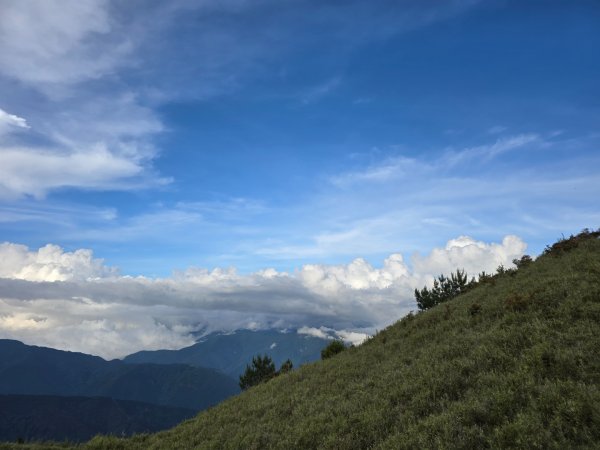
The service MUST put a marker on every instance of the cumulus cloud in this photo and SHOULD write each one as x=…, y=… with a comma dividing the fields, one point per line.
x=73, y=300
x=50, y=263
x=471, y=255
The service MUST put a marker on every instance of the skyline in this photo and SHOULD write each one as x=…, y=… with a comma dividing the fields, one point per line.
x=294, y=164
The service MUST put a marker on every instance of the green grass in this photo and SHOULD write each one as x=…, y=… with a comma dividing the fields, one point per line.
x=521, y=370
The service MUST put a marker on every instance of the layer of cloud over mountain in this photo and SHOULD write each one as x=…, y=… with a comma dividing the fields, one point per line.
x=72, y=300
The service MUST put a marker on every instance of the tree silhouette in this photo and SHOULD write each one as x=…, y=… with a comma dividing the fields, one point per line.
x=444, y=289
x=262, y=369
x=332, y=349
x=287, y=366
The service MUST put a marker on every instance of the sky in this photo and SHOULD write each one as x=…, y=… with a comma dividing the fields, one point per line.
x=175, y=168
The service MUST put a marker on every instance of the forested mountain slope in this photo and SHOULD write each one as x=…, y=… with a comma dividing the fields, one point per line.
x=31, y=370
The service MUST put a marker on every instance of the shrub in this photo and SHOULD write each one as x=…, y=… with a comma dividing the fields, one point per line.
x=523, y=262
x=332, y=349
x=474, y=309
x=564, y=245
x=517, y=302
x=484, y=277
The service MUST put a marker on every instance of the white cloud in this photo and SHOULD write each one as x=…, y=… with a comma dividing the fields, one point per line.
x=34, y=172
x=352, y=337
x=58, y=41
x=489, y=151
x=349, y=337
x=401, y=168
x=72, y=300
x=359, y=274
x=89, y=75
x=10, y=121
x=315, y=332
x=90, y=144
x=81, y=325
x=470, y=255
x=88, y=130
x=50, y=263
x=379, y=173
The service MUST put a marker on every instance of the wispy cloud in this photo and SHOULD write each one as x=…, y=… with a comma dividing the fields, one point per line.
x=390, y=168
x=319, y=91
x=78, y=136
x=35, y=172
x=496, y=129
x=96, y=71
x=56, y=43
x=401, y=202
x=10, y=121
x=486, y=152
x=395, y=168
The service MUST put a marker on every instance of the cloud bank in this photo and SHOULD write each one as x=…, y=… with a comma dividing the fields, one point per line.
x=74, y=301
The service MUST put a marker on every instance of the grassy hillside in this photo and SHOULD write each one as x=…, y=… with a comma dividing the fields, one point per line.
x=513, y=363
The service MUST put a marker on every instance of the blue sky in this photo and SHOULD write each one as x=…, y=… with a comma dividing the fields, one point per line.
x=272, y=134
x=244, y=115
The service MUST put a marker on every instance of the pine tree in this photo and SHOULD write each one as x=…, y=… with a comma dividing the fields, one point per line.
x=287, y=366
x=262, y=369
x=444, y=289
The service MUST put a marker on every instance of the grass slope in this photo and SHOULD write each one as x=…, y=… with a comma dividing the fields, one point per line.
x=520, y=371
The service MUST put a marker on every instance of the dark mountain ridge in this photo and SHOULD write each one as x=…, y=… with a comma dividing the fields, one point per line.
x=32, y=370
x=49, y=417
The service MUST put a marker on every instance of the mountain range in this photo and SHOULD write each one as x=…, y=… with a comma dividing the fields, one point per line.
x=32, y=370
x=54, y=394
x=231, y=352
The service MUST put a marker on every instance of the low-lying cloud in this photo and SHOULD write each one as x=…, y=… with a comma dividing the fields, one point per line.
x=74, y=301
